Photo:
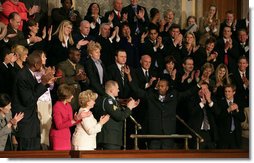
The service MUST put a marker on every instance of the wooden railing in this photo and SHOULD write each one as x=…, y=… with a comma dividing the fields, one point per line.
x=128, y=154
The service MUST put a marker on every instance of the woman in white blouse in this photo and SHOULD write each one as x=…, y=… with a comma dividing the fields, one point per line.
x=84, y=137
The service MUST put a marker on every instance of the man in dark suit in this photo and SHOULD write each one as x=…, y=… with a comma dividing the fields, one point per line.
x=229, y=120
x=154, y=47
x=161, y=110
x=82, y=38
x=202, y=111
x=241, y=80
x=14, y=35
x=117, y=9
x=228, y=50
x=26, y=92
x=137, y=17
x=243, y=43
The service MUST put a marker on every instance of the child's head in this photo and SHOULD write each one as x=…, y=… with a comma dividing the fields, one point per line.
x=87, y=98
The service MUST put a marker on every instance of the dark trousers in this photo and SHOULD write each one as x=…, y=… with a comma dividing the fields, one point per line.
x=161, y=144
x=111, y=147
x=28, y=143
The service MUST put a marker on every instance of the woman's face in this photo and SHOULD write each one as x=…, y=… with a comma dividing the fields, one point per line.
x=189, y=38
x=95, y=54
x=23, y=56
x=6, y=109
x=209, y=47
x=35, y=28
x=221, y=72
x=95, y=9
x=67, y=30
x=43, y=58
x=170, y=66
x=212, y=10
x=69, y=99
x=91, y=103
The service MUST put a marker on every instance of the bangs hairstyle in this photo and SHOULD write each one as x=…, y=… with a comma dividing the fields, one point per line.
x=64, y=92
x=86, y=96
x=4, y=99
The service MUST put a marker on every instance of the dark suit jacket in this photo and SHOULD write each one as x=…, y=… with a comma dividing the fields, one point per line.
x=232, y=54
x=5, y=76
x=93, y=75
x=107, y=51
x=26, y=92
x=140, y=79
x=114, y=73
x=196, y=116
x=77, y=37
x=57, y=53
x=131, y=14
x=115, y=21
x=224, y=122
x=241, y=92
x=18, y=39
x=161, y=115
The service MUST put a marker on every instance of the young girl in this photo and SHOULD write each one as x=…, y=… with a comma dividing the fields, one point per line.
x=60, y=135
x=84, y=137
x=7, y=123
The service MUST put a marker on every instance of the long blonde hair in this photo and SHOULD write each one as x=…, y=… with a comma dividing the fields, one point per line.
x=225, y=79
x=60, y=31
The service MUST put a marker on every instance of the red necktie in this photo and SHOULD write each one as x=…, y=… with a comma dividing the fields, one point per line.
x=118, y=15
x=226, y=59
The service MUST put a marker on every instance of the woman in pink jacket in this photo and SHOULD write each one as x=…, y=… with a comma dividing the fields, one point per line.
x=60, y=135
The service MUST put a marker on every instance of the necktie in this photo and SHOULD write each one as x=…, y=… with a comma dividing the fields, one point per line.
x=118, y=15
x=147, y=76
x=243, y=75
x=205, y=120
x=122, y=74
x=232, y=128
x=226, y=59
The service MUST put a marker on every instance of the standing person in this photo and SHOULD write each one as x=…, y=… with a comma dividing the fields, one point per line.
x=60, y=135
x=26, y=92
x=111, y=136
x=229, y=120
x=73, y=73
x=44, y=105
x=115, y=14
x=161, y=110
x=202, y=111
x=7, y=123
x=66, y=12
x=10, y=6
x=84, y=137
x=60, y=42
x=137, y=17
x=209, y=25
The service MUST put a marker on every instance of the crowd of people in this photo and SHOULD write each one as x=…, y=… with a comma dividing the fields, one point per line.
x=68, y=82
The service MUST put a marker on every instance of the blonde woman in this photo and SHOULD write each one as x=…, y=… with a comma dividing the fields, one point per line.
x=190, y=47
x=95, y=69
x=84, y=137
x=60, y=42
x=221, y=79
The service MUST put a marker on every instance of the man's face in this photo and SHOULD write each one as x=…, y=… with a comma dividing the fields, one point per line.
x=242, y=36
x=85, y=28
x=162, y=87
x=146, y=62
x=227, y=32
x=115, y=90
x=118, y=5
x=175, y=32
x=243, y=64
x=121, y=57
x=15, y=22
x=189, y=65
x=75, y=56
x=153, y=34
x=229, y=93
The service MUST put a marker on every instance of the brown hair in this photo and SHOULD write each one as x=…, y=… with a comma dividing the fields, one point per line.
x=64, y=91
